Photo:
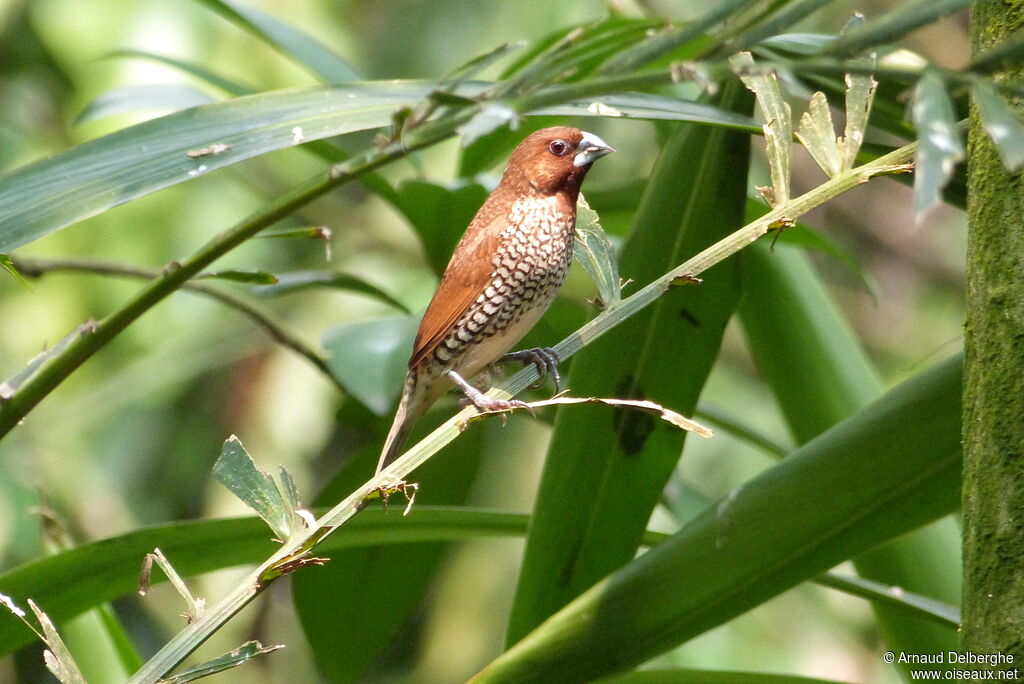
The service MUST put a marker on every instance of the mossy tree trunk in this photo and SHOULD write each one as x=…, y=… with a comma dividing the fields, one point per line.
x=993, y=498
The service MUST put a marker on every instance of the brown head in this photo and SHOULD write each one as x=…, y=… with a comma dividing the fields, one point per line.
x=554, y=160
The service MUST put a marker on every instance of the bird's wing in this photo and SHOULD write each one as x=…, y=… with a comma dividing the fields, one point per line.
x=466, y=276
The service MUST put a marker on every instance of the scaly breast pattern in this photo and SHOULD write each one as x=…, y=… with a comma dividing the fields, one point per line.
x=527, y=271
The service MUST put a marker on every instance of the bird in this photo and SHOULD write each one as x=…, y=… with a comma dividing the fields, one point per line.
x=502, y=277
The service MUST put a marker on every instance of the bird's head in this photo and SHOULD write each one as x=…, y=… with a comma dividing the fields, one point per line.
x=555, y=159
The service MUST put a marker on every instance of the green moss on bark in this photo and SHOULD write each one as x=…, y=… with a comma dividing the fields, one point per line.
x=993, y=595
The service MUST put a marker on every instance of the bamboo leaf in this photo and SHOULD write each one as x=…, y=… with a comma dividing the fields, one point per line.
x=291, y=42
x=239, y=276
x=159, y=97
x=369, y=358
x=940, y=148
x=57, y=657
x=238, y=656
x=820, y=376
x=818, y=135
x=778, y=126
x=1001, y=124
x=941, y=612
x=8, y=265
x=896, y=23
x=83, y=577
x=888, y=470
x=860, y=95
x=297, y=281
x=198, y=70
x=594, y=252
x=97, y=175
x=236, y=470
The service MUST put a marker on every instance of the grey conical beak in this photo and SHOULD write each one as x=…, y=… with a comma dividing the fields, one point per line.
x=590, y=149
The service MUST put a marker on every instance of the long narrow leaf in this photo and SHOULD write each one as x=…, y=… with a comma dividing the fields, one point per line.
x=940, y=146
x=820, y=375
x=902, y=20
x=92, y=177
x=888, y=470
x=97, y=175
x=86, y=576
x=291, y=42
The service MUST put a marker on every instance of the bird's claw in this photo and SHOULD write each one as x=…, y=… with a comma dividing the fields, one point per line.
x=481, y=401
x=544, y=359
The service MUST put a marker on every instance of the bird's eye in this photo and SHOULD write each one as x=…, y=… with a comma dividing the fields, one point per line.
x=559, y=148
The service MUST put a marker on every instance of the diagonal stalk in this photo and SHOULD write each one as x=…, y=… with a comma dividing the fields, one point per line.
x=289, y=557
x=276, y=329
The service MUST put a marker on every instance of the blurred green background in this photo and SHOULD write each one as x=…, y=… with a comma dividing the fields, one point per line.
x=130, y=439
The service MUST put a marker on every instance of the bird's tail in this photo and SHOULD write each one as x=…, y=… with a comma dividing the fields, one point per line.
x=415, y=402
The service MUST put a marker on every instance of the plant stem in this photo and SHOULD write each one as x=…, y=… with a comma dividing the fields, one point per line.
x=276, y=329
x=289, y=556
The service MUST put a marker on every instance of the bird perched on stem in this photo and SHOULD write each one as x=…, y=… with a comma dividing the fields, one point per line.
x=505, y=272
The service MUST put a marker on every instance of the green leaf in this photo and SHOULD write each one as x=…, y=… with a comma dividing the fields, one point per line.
x=618, y=462
x=78, y=579
x=307, y=233
x=894, y=24
x=818, y=135
x=820, y=376
x=805, y=44
x=490, y=118
x=569, y=54
x=198, y=70
x=439, y=214
x=238, y=276
x=802, y=344
x=369, y=358
x=474, y=66
x=941, y=612
x=653, y=107
x=236, y=470
x=879, y=474
x=940, y=148
x=495, y=147
x=661, y=43
x=778, y=125
x=92, y=177
x=1001, y=124
x=784, y=18
x=161, y=97
x=292, y=43
x=297, y=281
x=238, y=656
x=8, y=265
x=860, y=95
x=58, y=659
x=594, y=252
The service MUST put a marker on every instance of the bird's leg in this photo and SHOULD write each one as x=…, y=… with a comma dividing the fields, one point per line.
x=544, y=359
x=482, y=401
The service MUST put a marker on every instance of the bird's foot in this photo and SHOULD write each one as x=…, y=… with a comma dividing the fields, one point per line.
x=544, y=359
x=481, y=401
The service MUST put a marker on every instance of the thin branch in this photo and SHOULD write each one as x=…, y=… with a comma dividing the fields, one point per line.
x=277, y=330
x=290, y=555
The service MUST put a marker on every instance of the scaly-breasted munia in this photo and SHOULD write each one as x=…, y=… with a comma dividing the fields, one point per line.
x=505, y=272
